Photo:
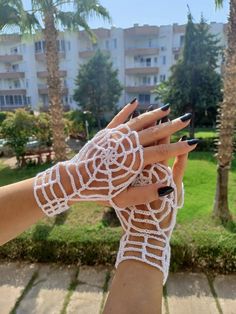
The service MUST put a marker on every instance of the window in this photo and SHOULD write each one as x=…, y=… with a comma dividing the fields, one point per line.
x=163, y=48
x=155, y=79
x=136, y=59
x=16, y=84
x=9, y=100
x=63, y=46
x=144, y=98
x=162, y=77
x=68, y=45
x=163, y=59
x=148, y=62
x=146, y=80
x=44, y=45
x=14, y=50
x=107, y=44
x=150, y=43
x=176, y=56
x=15, y=67
x=115, y=43
x=156, y=60
x=17, y=100
x=2, y=101
x=182, y=38
x=37, y=46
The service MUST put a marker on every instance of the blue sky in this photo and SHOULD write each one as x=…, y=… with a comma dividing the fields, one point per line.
x=160, y=12
x=157, y=12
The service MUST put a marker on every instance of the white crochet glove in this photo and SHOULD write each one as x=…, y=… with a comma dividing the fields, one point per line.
x=102, y=169
x=148, y=227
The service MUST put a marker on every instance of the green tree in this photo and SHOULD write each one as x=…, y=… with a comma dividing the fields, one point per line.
x=194, y=84
x=49, y=16
x=98, y=88
x=17, y=129
x=227, y=119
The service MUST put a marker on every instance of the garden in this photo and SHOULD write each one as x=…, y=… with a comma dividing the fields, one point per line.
x=87, y=234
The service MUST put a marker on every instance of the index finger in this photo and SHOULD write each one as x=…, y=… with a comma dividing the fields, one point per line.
x=123, y=115
x=146, y=119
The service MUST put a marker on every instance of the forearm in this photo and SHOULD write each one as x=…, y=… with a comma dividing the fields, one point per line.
x=136, y=285
x=18, y=209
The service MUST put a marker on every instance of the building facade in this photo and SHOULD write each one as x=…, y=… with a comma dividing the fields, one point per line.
x=143, y=56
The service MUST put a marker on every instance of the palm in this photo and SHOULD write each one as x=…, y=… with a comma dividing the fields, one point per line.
x=48, y=15
x=227, y=119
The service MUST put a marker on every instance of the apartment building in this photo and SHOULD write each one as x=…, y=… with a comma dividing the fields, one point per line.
x=143, y=56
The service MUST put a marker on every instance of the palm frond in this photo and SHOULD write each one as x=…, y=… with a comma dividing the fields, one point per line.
x=73, y=21
x=91, y=8
x=219, y=3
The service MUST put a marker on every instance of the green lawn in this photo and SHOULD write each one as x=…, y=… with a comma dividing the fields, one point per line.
x=202, y=133
x=83, y=232
x=200, y=180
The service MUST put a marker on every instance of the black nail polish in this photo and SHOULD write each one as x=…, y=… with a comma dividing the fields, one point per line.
x=132, y=101
x=184, y=138
x=165, y=107
x=165, y=190
x=165, y=119
x=193, y=141
x=135, y=114
x=150, y=108
x=186, y=117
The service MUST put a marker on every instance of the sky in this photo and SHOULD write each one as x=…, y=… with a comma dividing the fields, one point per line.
x=125, y=13
x=159, y=12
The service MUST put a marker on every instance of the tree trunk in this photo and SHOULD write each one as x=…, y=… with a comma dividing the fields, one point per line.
x=54, y=87
x=221, y=208
x=227, y=121
x=192, y=124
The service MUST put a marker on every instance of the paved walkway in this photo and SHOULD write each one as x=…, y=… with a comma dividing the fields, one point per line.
x=52, y=289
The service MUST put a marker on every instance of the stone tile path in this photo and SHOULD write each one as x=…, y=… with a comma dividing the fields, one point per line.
x=52, y=289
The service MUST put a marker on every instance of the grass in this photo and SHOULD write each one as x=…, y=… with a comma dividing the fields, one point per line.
x=81, y=234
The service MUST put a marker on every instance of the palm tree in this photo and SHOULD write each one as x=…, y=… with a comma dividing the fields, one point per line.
x=227, y=119
x=49, y=16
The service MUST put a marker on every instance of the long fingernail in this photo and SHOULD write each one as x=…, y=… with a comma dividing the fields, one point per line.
x=150, y=108
x=165, y=107
x=193, y=141
x=165, y=190
x=132, y=101
x=135, y=114
x=184, y=138
x=186, y=117
x=164, y=119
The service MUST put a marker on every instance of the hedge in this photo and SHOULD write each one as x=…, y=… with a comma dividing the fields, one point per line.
x=204, y=251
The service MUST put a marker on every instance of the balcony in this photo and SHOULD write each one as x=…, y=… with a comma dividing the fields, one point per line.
x=11, y=58
x=141, y=51
x=176, y=49
x=44, y=74
x=41, y=57
x=145, y=30
x=12, y=75
x=43, y=90
x=13, y=91
x=141, y=70
x=140, y=89
x=90, y=53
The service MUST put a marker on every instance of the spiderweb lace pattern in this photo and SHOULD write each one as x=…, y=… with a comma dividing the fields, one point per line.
x=148, y=227
x=102, y=169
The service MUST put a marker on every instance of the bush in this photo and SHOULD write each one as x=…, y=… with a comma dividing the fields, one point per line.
x=17, y=129
x=205, y=251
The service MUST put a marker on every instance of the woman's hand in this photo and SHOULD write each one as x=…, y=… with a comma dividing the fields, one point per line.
x=109, y=163
x=148, y=227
